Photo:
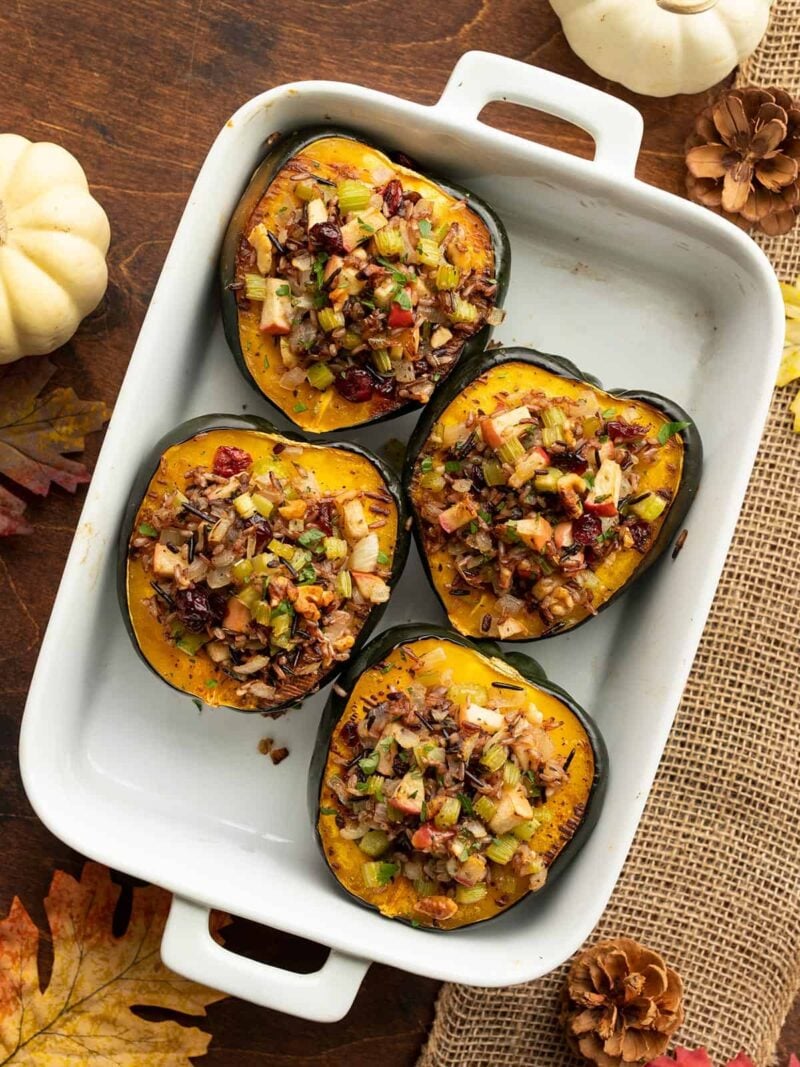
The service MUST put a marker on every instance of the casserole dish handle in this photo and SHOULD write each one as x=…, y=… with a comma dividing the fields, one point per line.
x=479, y=78
x=325, y=996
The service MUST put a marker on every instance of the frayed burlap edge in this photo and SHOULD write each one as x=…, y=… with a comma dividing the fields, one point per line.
x=712, y=878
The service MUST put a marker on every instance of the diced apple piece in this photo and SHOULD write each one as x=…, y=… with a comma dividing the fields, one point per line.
x=384, y=292
x=440, y=337
x=276, y=312
x=563, y=535
x=456, y=516
x=237, y=616
x=439, y=908
x=509, y=628
x=371, y=587
x=355, y=521
x=259, y=239
x=332, y=264
x=472, y=871
x=604, y=497
x=316, y=212
x=410, y=794
x=164, y=562
x=506, y=419
x=535, y=532
x=513, y=807
x=362, y=225
x=535, y=460
x=486, y=719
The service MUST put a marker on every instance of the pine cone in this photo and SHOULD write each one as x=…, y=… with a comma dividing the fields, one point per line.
x=621, y=1003
x=743, y=157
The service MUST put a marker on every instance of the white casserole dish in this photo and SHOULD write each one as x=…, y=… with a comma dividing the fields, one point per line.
x=634, y=285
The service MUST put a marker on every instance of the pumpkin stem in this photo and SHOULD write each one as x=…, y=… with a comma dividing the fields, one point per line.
x=3, y=224
x=686, y=7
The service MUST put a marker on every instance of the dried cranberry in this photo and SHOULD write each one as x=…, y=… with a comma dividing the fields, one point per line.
x=324, y=517
x=383, y=386
x=200, y=607
x=570, y=461
x=403, y=160
x=328, y=236
x=355, y=385
x=263, y=530
x=618, y=430
x=350, y=733
x=586, y=529
x=640, y=531
x=229, y=461
x=393, y=197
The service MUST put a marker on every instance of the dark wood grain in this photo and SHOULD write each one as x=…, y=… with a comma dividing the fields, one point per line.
x=138, y=91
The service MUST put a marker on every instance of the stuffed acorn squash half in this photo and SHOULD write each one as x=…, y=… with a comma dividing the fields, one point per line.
x=352, y=284
x=448, y=782
x=538, y=497
x=253, y=564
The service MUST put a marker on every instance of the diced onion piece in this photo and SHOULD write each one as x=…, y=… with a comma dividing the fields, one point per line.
x=364, y=556
x=509, y=628
x=429, y=660
x=164, y=562
x=534, y=532
x=440, y=336
x=355, y=521
x=487, y=719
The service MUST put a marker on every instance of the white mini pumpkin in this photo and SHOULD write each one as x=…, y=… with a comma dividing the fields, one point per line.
x=53, y=242
x=663, y=47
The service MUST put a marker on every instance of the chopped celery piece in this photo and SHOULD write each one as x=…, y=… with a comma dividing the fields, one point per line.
x=281, y=626
x=374, y=843
x=484, y=808
x=389, y=242
x=335, y=548
x=351, y=339
x=448, y=814
x=526, y=830
x=511, y=450
x=424, y=887
x=432, y=480
x=502, y=849
x=393, y=814
x=511, y=773
x=263, y=506
x=470, y=894
x=650, y=508
x=299, y=559
x=447, y=277
x=428, y=678
x=547, y=481
x=261, y=562
x=428, y=754
x=374, y=785
x=255, y=287
x=244, y=505
x=553, y=416
x=551, y=435
x=353, y=195
x=330, y=320
x=344, y=584
x=382, y=359
x=191, y=643
x=262, y=613
x=280, y=549
x=463, y=311
x=249, y=596
x=378, y=874
x=428, y=251
x=241, y=570
x=308, y=191
x=320, y=376
x=493, y=758
x=493, y=473
x=468, y=693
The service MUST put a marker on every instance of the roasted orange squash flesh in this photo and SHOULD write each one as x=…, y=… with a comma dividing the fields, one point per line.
x=466, y=613
x=336, y=471
x=563, y=811
x=335, y=159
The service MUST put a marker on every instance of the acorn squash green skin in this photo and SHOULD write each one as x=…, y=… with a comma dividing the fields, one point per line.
x=375, y=652
x=278, y=155
x=464, y=374
x=202, y=424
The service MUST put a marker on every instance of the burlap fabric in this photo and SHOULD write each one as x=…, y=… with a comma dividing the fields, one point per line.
x=713, y=878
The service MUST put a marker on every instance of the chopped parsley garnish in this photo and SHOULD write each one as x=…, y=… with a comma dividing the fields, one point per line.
x=311, y=537
x=369, y=764
x=283, y=290
x=609, y=413
x=328, y=811
x=669, y=429
x=426, y=464
x=147, y=530
x=425, y=227
x=299, y=407
x=452, y=466
x=383, y=559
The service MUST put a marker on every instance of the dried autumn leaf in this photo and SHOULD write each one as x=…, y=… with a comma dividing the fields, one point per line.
x=35, y=434
x=84, y=1016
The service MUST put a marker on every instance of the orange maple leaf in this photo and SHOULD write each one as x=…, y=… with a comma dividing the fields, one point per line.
x=84, y=1015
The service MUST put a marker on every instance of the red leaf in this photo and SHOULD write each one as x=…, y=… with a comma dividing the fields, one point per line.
x=793, y=1061
x=741, y=1061
x=35, y=432
x=684, y=1057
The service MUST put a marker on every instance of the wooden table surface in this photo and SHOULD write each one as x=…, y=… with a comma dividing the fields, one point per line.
x=138, y=91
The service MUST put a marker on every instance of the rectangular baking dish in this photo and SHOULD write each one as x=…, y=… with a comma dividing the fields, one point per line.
x=634, y=285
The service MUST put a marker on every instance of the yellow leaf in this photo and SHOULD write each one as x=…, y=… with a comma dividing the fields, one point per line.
x=790, y=365
x=84, y=1016
x=791, y=293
